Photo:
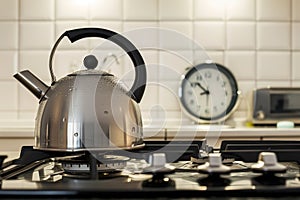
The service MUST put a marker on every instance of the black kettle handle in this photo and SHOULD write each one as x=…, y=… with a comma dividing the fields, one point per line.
x=138, y=88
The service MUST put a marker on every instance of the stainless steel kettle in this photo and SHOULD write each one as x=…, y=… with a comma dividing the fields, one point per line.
x=88, y=109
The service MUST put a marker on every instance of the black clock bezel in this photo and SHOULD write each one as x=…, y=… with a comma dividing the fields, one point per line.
x=233, y=84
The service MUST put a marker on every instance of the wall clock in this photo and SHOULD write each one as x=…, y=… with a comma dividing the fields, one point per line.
x=208, y=93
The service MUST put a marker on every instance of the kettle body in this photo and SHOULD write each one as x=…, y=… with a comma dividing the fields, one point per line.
x=88, y=112
x=89, y=109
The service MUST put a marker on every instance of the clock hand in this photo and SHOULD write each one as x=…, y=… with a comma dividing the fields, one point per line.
x=205, y=92
x=207, y=96
x=198, y=84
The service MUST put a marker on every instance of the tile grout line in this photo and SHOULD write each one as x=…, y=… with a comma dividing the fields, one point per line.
x=256, y=42
x=291, y=43
x=157, y=113
x=18, y=57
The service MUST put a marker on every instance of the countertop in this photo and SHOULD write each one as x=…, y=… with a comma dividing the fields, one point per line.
x=15, y=134
x=24, y=129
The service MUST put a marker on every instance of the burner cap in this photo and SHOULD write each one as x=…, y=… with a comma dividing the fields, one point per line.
x=106, y=163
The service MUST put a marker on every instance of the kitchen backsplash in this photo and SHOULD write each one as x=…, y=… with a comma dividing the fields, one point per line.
x=258, y=40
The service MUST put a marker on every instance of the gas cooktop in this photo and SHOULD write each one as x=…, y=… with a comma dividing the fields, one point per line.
x=162, y=169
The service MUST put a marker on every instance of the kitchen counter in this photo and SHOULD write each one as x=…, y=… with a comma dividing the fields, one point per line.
x=215, y=134
x=203, y=130
x=17, y=133
x=24, y=129
x=16, y=128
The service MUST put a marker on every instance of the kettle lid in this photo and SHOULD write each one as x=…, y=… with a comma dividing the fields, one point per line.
x=90, y=62
x=90, y=72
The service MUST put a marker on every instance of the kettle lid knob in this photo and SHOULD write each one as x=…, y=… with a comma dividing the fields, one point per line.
x=90, y=62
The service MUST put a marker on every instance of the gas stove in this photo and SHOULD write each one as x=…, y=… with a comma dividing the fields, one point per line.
x=162, y=169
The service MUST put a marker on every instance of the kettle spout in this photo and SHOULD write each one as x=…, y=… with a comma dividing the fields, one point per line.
x=32, y=83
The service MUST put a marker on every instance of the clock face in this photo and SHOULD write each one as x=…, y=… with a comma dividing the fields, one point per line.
x=209, y=92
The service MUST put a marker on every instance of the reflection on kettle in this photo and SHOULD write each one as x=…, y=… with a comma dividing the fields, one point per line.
x=88, y=109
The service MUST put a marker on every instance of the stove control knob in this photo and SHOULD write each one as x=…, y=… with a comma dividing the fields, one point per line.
x=159, y=169
x=158, y=164
x=267, y=162
x=157, y=160
x=269, y=158
x=214, y=165
x=214, y=168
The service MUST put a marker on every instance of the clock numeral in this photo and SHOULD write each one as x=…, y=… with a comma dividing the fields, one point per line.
x=192, y=102
x=194, y=84
x=226, y=93
x=190, y=92
x=215, y=109
x=207, y=111
x=222, y=103
x=207, y=74
x=198, y=108
x=223, y=84
x=199, y=78
x=218, y=78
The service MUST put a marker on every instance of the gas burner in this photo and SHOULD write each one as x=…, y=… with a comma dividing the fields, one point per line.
x=113, y=173
x=105, y=164
x=94, y=174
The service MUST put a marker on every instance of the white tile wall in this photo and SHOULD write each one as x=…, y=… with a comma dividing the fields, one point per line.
x=209, y=9
x=106, y=10
x=9, y=63
x=295, y=12
x=142, y=34
x=8, y=9
x=241, y=35
x=273, y=10
x=175, y=10
x=256, y=39
x=36, y=35
x=9, y=35
x=273, y=35
x=242, y=64
x=176, y=35
x=273, y=66
x=37, y=10
x=295, y=65
x=150, y=100
x=240, y=10
x=295, y=36
x=26, y=100
x=35, y=61
x=9, y=98
x=152, y=66
x=71, y=10
x=173, y=64
x=216, y=56
x=140, y=9
x=210, y=34
x=261, y=84
x=168, y=96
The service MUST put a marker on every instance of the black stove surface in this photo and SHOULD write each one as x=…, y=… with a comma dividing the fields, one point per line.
x=39, y=174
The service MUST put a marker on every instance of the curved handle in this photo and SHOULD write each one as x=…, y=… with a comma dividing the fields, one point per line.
x=137, y=90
